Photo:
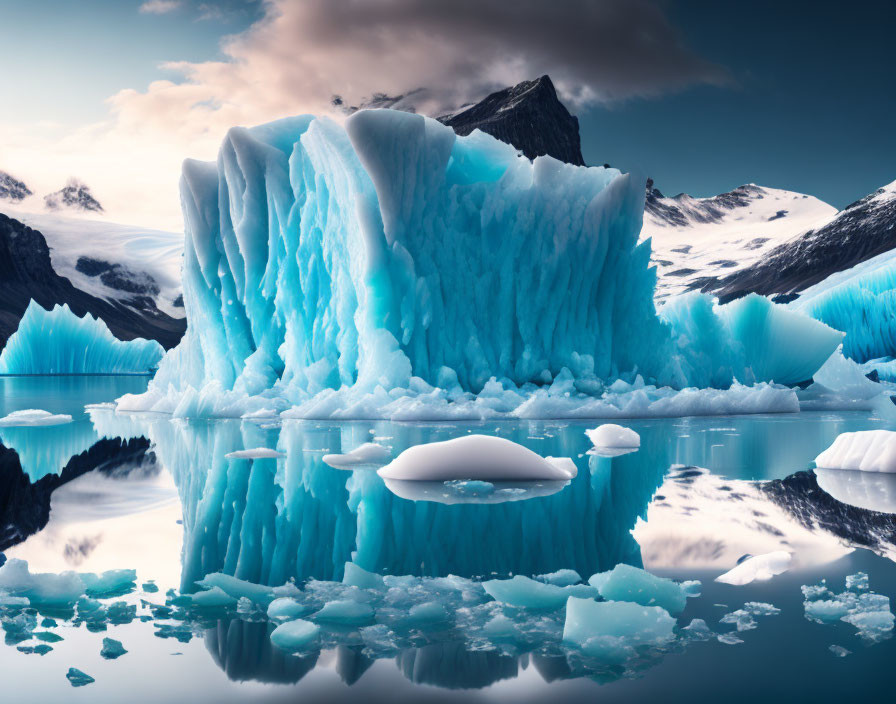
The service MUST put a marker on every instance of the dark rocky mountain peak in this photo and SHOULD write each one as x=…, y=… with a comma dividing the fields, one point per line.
x=12, y=189
x=529, y=116
x=74, y=196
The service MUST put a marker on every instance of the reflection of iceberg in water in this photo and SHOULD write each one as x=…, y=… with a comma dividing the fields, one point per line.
x=874, y=491
x=451, y=493
x=47, y=450
x=453, y=666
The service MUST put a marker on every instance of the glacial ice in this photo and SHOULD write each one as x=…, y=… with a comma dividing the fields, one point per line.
x=63, y=589
x=610, y=436
x=867, y=611
x=561, y=578
x=33, y=418
x=78, y=678
x=345, y=612
x=481, y=457
x=392, y=269
x=744, y=619
x=757, y=568
x=368, y=454
x=627, y=583
x=286, y=609
x=864, y=450
x=59, y=342
x=112, y=649
x=528, y=593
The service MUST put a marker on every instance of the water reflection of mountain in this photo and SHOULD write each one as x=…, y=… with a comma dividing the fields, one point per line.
x=25, y=504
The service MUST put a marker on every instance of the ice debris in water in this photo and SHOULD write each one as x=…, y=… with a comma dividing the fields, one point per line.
x=627, y=583
x=78, y=678
x=112, y=649
x=561, y=578
x=867, y=611
x=481, y=457
x=295, y=635
x=257, y=453
x=613, y=437
x=33, y=417
x=864, y=450
x=470, y=486
x=613, y=629
x=286, y=609
x=59, y=342
x=757, y=568
x=368, y=454
x=311, y=278
x=62, y=589
x=743, y=618
x=839, y=651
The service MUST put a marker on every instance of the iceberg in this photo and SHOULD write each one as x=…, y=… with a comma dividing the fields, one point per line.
x=634, y=625
x=757, y=568
x=59, y=342
x=527, y=593
x=613, y=437
x=864, y=450
x=389, y=268
x=479, y=457
x=365, y=455
x=33, y=418
x=627, y=583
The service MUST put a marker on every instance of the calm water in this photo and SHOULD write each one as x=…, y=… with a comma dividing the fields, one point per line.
x=159, y=496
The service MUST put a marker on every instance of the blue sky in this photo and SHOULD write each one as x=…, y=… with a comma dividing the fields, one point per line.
x=701, y=95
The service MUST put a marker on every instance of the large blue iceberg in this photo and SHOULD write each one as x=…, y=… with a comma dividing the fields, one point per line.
x=339, y=269
x=59, y=342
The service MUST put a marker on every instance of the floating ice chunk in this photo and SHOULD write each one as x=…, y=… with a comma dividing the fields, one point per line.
x=345, y=612
x=529, y=594
x=358, y=577
x=839, y=651
x=63, y=589
x=864, y=450
x=741, y=618
x=627, y=583
x=482, y=457
x=59, y=342
x=728, y=639
x=633, y=624
x=427, y=613
x=613, y=437
x=78, y=678
x=295, y=635
x=286, y=609
x=238, y=588
x=109, y=583
x=561, y=578
x=254, y=454
x=873, y=491
x=761, y=608
x=698, y=630
x=867, y=611
x=757, y=568
x=370, y=454
x=33, y=417
x=112, y=649
x=691, y=588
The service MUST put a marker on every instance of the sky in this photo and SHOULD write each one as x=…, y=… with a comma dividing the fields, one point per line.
x=701, y=95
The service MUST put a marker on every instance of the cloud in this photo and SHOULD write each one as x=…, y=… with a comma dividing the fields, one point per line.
x=302, y=52
x=158, y=7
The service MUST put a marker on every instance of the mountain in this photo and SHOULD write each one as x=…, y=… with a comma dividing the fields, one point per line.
x=12, y=189
x=529, y=116
x=73, y=196
x=27, y=272
x=857, y=233
x=697, y=241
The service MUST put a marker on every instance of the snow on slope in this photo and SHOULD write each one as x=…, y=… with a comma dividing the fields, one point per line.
x=698, y=238
x=143, y=262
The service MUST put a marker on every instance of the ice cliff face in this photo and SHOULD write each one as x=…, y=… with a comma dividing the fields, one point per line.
x=394, y=257
x=59, y=342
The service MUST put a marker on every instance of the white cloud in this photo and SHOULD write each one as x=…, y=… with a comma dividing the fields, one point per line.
x=303, y=51
x=158, y=7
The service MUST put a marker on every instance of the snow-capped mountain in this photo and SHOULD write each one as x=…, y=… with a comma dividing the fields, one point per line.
x=529, y=116
x=698, y=241
x=857, y=233
x=12, y=189
x=75, y=195
x=127, y=276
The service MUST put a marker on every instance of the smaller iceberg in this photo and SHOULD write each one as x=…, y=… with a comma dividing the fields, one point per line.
x=757, y=568
x=369, y=454
x=611, y=439
x=615, y=628
x=627, y=583
x=526, y=593
x=295, y=635
x=59, y=342
x=78, y=678
x=33, y=418
x=865, y=450
x=867, y=611
x=482, y=457
x=257, y=453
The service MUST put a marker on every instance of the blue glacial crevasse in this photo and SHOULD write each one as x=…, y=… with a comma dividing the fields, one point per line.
x=389, y=258
x=59, y=342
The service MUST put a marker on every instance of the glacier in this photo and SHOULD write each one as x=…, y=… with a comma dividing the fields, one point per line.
x=388, y=268
x=59, y=342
